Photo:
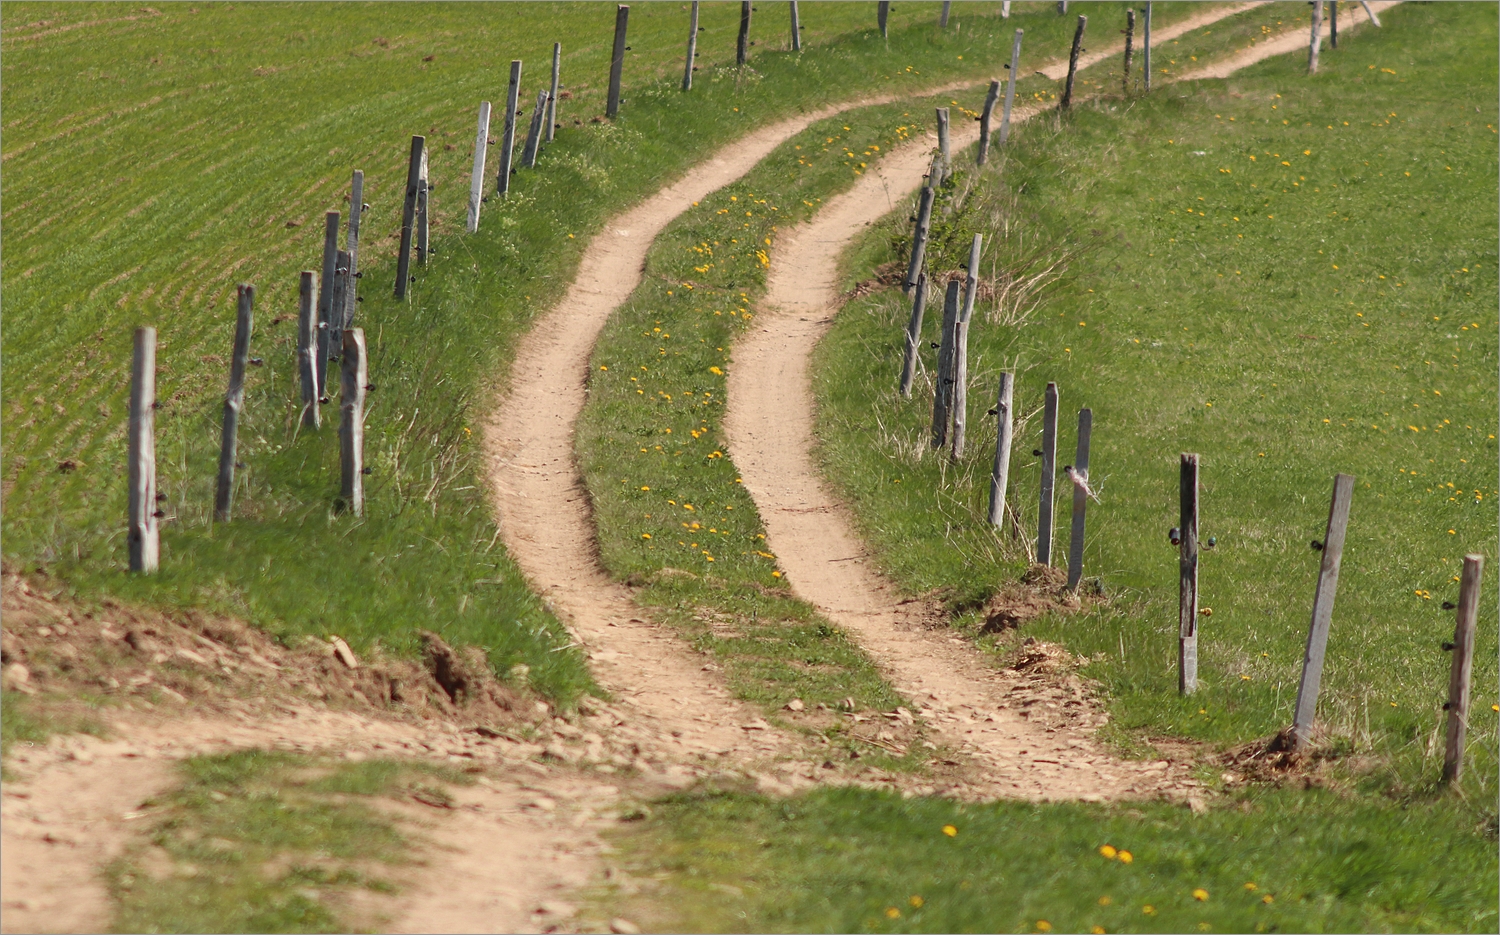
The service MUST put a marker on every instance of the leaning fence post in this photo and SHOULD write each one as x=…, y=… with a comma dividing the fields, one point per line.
x=234, y=400
x=617, y=61
x=424, y=192
x=534, y=132
x=919, y=239
x=942, y=392
x=1010, y=86
x=1067, y=98
x=1129, y=49
x=356, y=214
x=1000, y=473
x=742, y=44
x=1049, y=477
x=1332, y=547
x=307, y=348
x=883, y=17
x=942, y=134
x=1187, y=575
x=796, y=29
x=508, y=131
x=409, y=214
x=692, y=48
x=552, y=91
x=352, y=385
x=1315, y=42
x=325, y=291
x=984, y=122
x=1079, y=475
x=961, y=352
x=1146, y=49
x=476, y=178
x=913, y=335
x=144, y=542
x=1463, y=661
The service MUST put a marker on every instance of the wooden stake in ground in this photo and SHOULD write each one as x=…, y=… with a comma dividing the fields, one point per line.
x=142, y=536
x=352, y=385
x=943, y=391
x=552, y=90
x=1370, y=13
x=357, y=208
x=1010, y=86
x=409, y=214
x=796, y=29
x=307, y=347
x=1049, y=477
x=234, y=401
x=1005, y=9
x=692, y=48
x=948, y=8
x=424, y=190
x=337, y=304
x=1463, y=661
x=617, y=61
x=943, y=142
x=1062, y=7
x=476, y=178
x=742, y=44
x=1333, y=24
x=1000, y=473
x=919, y=239
x=1187, y=576
x=913, y=335
x=961, y=351
x=1129, y=49
x=1079, y=475
x=1067, y=98
x=984, y=123
x=325, y=292
x=1315, y=43
x=1332, y=547
x=1146, y=50
x=883, y=17
x=534, y=132
x=508, y=132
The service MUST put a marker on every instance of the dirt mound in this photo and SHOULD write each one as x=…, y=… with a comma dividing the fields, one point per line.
x=1042, y=589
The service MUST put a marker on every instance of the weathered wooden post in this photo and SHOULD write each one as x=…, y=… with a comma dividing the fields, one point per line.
x=961, y=351
x=476, y=178
x=943, y=15
x=1010, y=86
x=1315, y=43
x=1000, y=473
x=1187, y=575
x=337, y=304
x=234, y=400
x=913, y=335
x=1129, y=49
x=354, y=378
x=1067, y=98
x=1079, y=475
x=942, y=392
x=742, y=44
x=409, y=214
x=307, y=348
x=552, y=90
x=617, y=61
x=935, y=173
x=534, y=132
x=424, y=190
x=508, y=131
x=357, y=208
x=1146, y=48
x=325, y=292
x=692, y=48
x=919, y=239
x=984, y=122
x=1332, y=547
x=882, y=17
x=1333, y=24
x=1005, y=9
x=1463, y=661
x=796, y=29
x=1049, y=477
x=1062, y=7
x=142, y=536
x=943, y=142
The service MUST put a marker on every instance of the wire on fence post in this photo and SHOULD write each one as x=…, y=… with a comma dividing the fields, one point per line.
x=354, y=377
x=508, y=129
x=617, y=61
x=1010, y=86
x=356, y=215
x=1332, y=548
x=692, y=48
x=409, y=214
x=234, y=401
x=1000, y=473
x=1048, y=455
x=1078, y=473
x=424, y=194
x=476, y=177
x=552, y=89
x=1463, y=661
x=143, y=537
x=1187, y=576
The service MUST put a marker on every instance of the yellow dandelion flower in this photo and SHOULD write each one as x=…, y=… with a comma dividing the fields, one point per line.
x=892, y=912
x=1105, y=900
x=950, y=831
x=1267, y=899
x=916, y=902
x=1126, y=857
x=1108, y=852
x=1042, y=925
x=1200, y=894
x=1097, y=930
x=645, y=535
x=1149, y=910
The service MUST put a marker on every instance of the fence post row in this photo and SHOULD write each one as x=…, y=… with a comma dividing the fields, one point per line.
x=1458, y=678
x=1067, y=98
x=1332, y=547
x=796, y=29
x=354, y=378
x=234, y=402
x=1146, y=48
x=617, y=61
x=942, y=394
x=913, y=335
x=961, y=352
x=476, y=178
x=1187, y=576
x=883, y=17
x=1048, y=454
x=508, y=130
x=1080, y=478
x=742, y=44
x=1129, y=49
x=356, y=215
x=307, y=347
x=1010, y=86
x=409, y=214
x=325, y=288
x=692, y=47
x=919, y=239
x=534, y=133
x=984, y=122
x=142, y=536
x=1315, y=43
x=1000, y=473
x=552, y=93
x=423, y=190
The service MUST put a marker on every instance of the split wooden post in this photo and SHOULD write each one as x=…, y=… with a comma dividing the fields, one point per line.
x=947, y=9
x=943, y=141
x=942, y=392
x=1146, y=49
x=508, y=130
x=1080, y=498
x=961, y=352
x=883, y=17
x=1322, y=614
x=1067, y=98
x=534, y=132
x=742, y=44
x=337, y=304
x=617, y=61
x=692, y=47
x=307, y=348
x=1000, y=473
x=913, y=335
x=409, y=214
x=1010, y=86
x=476, y=178
x=1463, y=662
x=424, y=191
x=1049, y=477
x=984, y=122
x=1187, y=575
x=919, y=239
x=354, y=378
x=1129, y=49
x=796, y=29
x=552, y=90
x=143, y=537
x=325, y=291
x=1370, y=13
x=1315, y=42
x=356, y=214
x=234, y=401
x=1333, y=24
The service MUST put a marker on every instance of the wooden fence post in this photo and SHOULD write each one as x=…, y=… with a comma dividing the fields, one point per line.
x=617, y=61
x=534, y=132
x=1129, y=49
x=409, y=214
x=692, y=48
x=476, y=178
x=234, y=400
x=947, y=9
x=1317, y=633
x=354, y=378
x=1079, y=473
x=1315, y=42
x=943, y=143
x=919, y=239
x=796, y=29
x=1005, y=9
x=942, y=393
x=1146, y=48
x=1049, y=477
x=1067, y=98
x=325, y=290
x=307, y=348
x=424, y=190
x=337, y=303
x=1463, y=661
x=1000, y=473
x=984, y=122
x=883, y=17
x=1187, y=575
x=356, y=214
x=742, y=44
x=1333, y=24
x=913, y=335
x=508, y=129
x=961, y=351
x=1062, y=7
x=142, y=536
x=552, y=90
x=1010, y=86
